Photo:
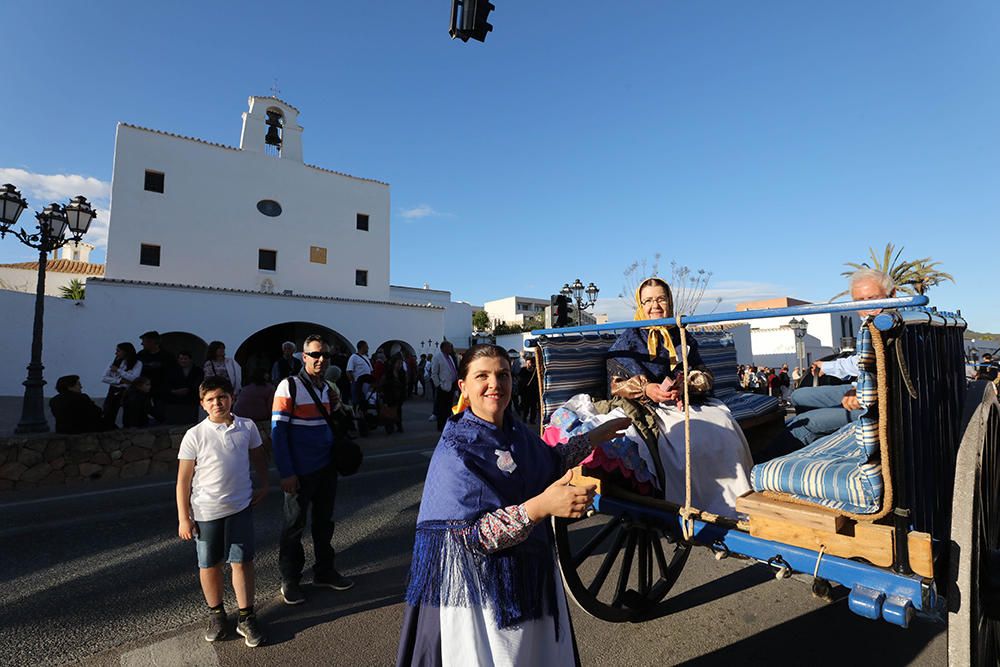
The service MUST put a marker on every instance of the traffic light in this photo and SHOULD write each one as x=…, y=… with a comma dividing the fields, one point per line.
x=468, y=19
x=560, y=310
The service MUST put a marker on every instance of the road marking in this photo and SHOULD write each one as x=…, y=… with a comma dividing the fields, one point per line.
x=181, y=650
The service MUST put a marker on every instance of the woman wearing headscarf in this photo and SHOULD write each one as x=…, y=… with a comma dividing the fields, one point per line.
x=484, y=588
x=645, y=365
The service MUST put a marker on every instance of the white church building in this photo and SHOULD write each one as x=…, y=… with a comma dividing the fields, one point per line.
x=248, y=245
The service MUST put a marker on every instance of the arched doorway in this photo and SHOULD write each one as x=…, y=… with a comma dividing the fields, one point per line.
x=393, y=347
x=261, y=349
x=176, y=342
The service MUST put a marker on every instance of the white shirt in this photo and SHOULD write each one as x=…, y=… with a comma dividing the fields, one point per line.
x=221, y=484
x=358, y=365
x=443, y=371
x=120, y=376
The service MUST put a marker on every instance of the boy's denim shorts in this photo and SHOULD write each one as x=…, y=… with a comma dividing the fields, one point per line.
x=229, y=538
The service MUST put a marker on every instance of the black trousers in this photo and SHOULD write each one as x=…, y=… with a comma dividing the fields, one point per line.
x=318, y=490
x=442, y=406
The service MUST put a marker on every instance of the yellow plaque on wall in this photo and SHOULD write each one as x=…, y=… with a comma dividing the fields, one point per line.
x=317, y=255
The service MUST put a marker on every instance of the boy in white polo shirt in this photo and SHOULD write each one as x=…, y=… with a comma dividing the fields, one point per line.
x=214, y=499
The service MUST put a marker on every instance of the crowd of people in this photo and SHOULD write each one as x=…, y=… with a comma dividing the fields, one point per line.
x=769, y=381
x=151, y=386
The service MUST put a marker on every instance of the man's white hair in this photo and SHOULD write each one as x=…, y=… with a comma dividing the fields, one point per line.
x=875, y=275
x=287, y=344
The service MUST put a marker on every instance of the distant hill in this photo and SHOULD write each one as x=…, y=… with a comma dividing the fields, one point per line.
x=979, y=335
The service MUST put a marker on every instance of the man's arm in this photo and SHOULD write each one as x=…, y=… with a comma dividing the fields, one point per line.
x=841, y=368
x=185, y=473
x=436, y=371
x=281, y=415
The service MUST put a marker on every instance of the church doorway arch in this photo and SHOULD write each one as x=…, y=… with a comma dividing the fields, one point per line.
x=176, y=342
x=261, y=349
x=393, y=347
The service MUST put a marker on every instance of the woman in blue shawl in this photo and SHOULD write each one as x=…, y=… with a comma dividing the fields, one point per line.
x=646, y=365
x=484, y=588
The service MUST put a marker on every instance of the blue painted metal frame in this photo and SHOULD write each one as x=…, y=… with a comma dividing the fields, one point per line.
x=874, y=591
x=715, y=318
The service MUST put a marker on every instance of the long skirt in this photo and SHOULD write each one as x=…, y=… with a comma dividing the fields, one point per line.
x=468, y=637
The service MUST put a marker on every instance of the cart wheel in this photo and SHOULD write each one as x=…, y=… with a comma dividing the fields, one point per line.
x=974, y=593
x=616, y=568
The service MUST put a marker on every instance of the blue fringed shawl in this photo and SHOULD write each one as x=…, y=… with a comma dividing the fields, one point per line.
x=463, y=483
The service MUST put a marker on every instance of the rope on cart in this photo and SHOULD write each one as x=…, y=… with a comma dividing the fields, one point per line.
x=687, y=512
x=822, y=548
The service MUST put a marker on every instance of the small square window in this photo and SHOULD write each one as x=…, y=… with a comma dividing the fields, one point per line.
x=149, y=255
x=363, y=222
x=267, y=260
x=361, y=278
x=154, y=181
x=317, y=254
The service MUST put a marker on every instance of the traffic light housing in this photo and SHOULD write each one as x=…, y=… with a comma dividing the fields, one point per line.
x=468, y=19
x=560, y=310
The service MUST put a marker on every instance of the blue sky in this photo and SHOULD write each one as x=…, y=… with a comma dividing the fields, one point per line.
x=767, y=142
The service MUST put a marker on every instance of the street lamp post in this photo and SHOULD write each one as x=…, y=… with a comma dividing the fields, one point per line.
x=576, y=292
x=799, y=328
x=53, y=224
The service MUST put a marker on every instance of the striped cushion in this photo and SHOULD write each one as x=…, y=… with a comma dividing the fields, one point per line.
x=572, y=364
x=575, y=364
x=843, y=470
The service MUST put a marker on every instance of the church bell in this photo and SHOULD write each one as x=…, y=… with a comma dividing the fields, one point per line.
x=273, y=122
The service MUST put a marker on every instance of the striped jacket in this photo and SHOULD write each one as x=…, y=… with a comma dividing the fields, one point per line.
x=300, y=438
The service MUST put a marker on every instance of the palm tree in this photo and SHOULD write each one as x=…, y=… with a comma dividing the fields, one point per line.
x=911, y=277
x=75, y=290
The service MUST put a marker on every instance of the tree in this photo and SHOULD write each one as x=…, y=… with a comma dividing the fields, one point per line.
x=76, y=290
x=911, y=277
x=480, y=321
x=687, y=285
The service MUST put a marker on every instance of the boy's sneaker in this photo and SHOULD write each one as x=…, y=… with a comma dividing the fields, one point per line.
x=249, y=629
x=291, y=593
x=216, y=629
x=334, y=580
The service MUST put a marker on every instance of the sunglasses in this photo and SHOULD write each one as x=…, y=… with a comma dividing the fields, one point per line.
x=318, y=355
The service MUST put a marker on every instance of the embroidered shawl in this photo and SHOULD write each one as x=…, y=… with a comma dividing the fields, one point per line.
x=466, y=479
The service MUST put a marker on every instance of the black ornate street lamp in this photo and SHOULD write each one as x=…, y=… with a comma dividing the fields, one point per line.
x=54, y=222
x=799, y=328
x=576, y=292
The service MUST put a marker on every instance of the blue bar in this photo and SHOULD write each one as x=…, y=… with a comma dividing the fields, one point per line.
x=714, y=318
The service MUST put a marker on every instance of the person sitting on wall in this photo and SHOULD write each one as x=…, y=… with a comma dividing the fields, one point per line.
x=137, y=405
x=74, y=410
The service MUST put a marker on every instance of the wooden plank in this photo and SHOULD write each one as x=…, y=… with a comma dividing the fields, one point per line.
x=921, y=554
x=870, y=541
x=818, y=518
x=579, y=479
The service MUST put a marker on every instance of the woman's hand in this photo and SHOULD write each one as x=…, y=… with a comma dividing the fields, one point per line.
x=561, y=499
x=609, y=430
x=656, y=393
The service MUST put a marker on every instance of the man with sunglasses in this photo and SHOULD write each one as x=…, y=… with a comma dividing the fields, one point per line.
x=303, y=452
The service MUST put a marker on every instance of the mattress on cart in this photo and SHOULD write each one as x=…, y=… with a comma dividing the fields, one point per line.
x=843, y=470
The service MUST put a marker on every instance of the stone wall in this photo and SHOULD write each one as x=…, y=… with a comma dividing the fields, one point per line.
x=50, y=459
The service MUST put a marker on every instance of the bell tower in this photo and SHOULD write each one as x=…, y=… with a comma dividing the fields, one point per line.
x=271, y=127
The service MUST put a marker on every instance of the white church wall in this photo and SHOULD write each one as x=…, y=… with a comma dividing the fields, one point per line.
x=80, y=338
x=209, y=230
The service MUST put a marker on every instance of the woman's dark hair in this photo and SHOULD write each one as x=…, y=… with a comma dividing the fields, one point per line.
x=482, y=351
x=130, y=357
x=213, y=350
x=65, y=382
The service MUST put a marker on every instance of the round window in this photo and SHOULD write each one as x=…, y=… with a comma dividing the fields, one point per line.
x=269, y=207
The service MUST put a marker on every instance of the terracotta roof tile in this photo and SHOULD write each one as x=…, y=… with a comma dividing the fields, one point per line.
x=61, y=266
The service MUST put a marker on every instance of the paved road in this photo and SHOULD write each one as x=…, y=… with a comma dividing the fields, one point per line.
x=99, y=577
